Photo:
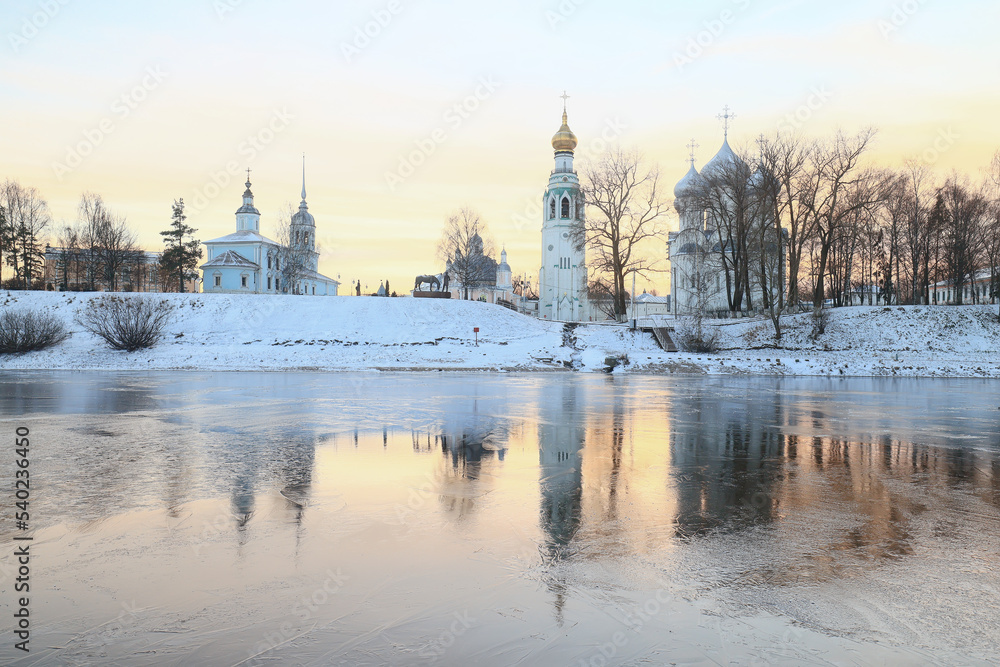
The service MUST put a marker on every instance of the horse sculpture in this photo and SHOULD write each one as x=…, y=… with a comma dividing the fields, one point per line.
x=430, y=280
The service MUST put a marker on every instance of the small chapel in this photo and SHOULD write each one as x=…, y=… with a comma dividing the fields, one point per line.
x=247, y=262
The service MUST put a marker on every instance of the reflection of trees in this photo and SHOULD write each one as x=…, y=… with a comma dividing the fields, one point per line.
x=727, y=455
x=758, y=453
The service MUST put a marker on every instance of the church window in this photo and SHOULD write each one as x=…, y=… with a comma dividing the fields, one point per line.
x=269, y=260
x=269, y=282
x=277, y=284
x=306, y=238
x=552, y=208
x=565, y=207
x=243, y=281
x=218, y=280
x=314, y=290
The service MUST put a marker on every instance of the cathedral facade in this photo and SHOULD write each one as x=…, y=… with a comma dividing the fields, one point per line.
x=246, y=262
x=701, y=250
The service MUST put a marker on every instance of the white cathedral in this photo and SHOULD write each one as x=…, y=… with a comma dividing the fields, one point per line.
x=698, y=280
x=246, y=262
x=562, y=279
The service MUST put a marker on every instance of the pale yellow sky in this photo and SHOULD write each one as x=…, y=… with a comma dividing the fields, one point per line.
x=162, y=97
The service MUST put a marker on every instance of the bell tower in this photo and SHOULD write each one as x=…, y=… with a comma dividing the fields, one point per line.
x=562, y=279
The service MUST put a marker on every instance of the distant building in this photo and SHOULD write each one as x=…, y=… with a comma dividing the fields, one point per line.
x=246, y=262
x=494, y=282
x=980, y=290
x=83, y=269
x=647, y=305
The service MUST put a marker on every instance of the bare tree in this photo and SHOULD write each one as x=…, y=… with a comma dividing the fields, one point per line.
x=467, y=250
x=601, y=295
x=70, y=263
x=26, y=215
x=964, y=221
x=292, y=254
x=843, y=188
x=920, y=233
x=630, y=211
x=110, y=244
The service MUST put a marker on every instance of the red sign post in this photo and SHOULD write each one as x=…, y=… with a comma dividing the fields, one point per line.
x=476, y=330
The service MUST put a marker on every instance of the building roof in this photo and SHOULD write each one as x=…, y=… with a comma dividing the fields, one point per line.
x=564, y=140
x=243, y=236
x=649, y=298
x=689, y=184
x=313, y=275
x=230, y=259
x=724, y=158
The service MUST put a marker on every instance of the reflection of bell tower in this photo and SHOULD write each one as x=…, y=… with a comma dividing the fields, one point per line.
x=560, y=453
x=560, y=441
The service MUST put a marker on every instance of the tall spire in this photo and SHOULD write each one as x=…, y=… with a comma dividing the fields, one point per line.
x=303, y=179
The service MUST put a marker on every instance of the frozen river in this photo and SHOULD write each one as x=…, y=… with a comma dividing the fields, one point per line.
x=545, y=519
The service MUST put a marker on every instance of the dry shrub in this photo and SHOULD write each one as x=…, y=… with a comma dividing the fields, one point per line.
x=126, y=323
x=28, y=331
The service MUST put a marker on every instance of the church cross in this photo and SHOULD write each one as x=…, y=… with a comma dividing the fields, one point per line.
x=248, y=174
x=564, y=97
x=725, y=117
x=692, y=146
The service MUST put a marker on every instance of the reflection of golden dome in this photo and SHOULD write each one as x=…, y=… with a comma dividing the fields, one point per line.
x=564, y=139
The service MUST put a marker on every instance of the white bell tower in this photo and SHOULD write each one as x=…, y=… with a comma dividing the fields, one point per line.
x=562, y=279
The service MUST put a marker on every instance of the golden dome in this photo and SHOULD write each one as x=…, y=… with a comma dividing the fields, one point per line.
x=564, y=139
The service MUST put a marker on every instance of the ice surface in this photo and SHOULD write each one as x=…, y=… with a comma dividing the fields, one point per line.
x=533, y=519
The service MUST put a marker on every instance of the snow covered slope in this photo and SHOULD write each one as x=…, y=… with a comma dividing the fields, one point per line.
x=237, y=332
x=264, y=332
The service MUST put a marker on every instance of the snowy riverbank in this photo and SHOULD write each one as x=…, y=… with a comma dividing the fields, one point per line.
x=260, y=332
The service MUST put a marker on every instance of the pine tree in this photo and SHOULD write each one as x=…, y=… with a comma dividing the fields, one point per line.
x=183, y=252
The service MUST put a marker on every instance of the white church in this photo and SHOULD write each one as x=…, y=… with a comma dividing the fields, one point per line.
x=562, y=278
x=246, y=262
x=695, y=251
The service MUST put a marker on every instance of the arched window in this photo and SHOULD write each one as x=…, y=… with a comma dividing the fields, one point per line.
x=552, y=208
x=565, y=207
x=296, y=236
x=306, y=238
x=269, y=260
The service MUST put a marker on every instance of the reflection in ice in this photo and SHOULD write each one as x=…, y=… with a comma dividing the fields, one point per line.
x=812, y=519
